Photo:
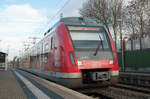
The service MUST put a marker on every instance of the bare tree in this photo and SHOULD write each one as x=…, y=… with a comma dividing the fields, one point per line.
x=137, y=18
x=130, y=20
x=105, y=12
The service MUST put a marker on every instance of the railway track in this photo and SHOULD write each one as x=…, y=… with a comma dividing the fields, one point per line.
x=134, y=88
x=119, y=91
x=136, y=79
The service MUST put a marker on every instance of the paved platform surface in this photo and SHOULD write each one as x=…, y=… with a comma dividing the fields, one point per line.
x=62, y=91
x=10, y=87
x=17, y=84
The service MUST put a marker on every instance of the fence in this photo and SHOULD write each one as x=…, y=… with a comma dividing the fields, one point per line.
x=135, y=44
x=135, y=56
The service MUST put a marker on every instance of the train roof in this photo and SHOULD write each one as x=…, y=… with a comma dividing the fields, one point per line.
x=79, y=21
x=75, y=21
x=3, y=53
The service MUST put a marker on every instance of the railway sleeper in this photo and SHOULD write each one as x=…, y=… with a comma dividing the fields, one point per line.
x=133, y=80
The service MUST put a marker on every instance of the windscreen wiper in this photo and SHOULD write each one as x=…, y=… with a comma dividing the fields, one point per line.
x=96, y=51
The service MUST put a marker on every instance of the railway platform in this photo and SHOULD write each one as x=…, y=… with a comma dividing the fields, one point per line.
x=10, y=87
x=17, y=84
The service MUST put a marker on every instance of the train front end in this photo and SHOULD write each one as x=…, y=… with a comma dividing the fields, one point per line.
x=94, y=55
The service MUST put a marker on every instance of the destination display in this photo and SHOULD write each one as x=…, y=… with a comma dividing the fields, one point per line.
x=71, y=28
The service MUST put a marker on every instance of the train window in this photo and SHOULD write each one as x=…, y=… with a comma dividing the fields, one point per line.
x=89, y=40
x=46, y=47
x=46, y=57
x=52, y=43
x=91, y=43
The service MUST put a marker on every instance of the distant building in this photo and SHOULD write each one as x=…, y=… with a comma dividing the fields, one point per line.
x=3, y=61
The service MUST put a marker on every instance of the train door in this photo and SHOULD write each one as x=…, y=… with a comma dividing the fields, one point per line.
x=42, y=62
x=42, y=58
x=56, y=52
x=38, y=62
x=32, y=61
x=46, y=63
x=51, y=54
x=46, y=46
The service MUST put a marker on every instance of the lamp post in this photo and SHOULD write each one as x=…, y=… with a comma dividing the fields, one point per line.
x=122, y=42
x=0, y=45
x=120, y=27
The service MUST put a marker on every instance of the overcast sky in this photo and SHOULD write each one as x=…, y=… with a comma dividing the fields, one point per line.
x=21, y=19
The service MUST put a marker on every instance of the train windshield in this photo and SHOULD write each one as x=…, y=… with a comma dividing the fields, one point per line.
x=90, y=43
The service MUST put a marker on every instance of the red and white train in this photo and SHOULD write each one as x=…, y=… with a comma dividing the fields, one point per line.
x=75, y=52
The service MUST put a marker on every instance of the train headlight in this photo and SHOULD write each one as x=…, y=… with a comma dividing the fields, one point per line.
x=111, y=62
x=79, y=63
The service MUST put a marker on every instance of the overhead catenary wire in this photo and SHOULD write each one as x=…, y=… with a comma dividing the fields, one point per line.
x=52, y=18
x=44, y=24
